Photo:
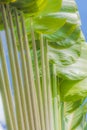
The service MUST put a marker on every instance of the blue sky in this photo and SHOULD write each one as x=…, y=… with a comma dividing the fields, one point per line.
x=82, y=6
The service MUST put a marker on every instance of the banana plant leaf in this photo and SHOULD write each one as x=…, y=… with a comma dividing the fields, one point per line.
x=73, y=90
x=69, y=6
x=40, y=23
x=66, y=49
x=77, y=70
x=72, y=21
x=65, y=56
x=54, y=6
x=30, y=6
x=35, y=6
x=75, y=38
x=76, y=117
x=69, y=58
x=45, y=24
x=70, y=107
x=62, y=57
x=62, y=33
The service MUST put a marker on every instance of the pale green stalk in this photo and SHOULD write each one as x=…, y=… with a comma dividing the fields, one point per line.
x=20, y=82
x=7, y=84
x=26, y=86
x=59, y=116
x=26, y=83
x=19, y=114
x=49, y=89
x=55, y=99
x=44, y=85
x=62, y=116
x=31, y=78
x=61, y=123
x=37, y=76
x=4, y=95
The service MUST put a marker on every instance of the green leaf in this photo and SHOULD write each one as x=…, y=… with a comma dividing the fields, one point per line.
x=70, y=107
x=69, y=6
x=48, y=24
x=77, y=70
x=73, y=90
x=70, y=29
x=64, y=57
x=45, y=24
x=62, y=33
x=76, y=117
x=52, y=6
x=75, y=38
x=38, y=6
x=31, y=7
x=45, y=7
x=72, y=21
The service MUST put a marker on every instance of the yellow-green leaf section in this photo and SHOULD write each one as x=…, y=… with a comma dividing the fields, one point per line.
x=32, y=7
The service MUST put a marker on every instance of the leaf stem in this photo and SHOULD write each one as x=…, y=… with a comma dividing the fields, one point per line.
x=6, y=88
x=30, y=76
x=25, y=79
x=44, y=85
x=20, y=83
x=38, y=85
x=19, y=115
x=49, y=89
x=6, y=102
x=55, y=99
